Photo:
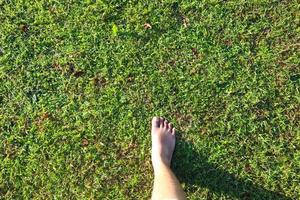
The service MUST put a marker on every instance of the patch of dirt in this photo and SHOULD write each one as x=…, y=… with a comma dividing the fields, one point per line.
x=99, y=81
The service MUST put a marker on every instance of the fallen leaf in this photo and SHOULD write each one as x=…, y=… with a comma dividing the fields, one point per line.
x=147, y=26
x=172, y=62
x=24, y=28
x=45, y=116
x=195, y=52
x=130, y=78
x=78, y=74
x=185, y=21
x=56, y=66
x=84, y=142
x=99, y=81
x=71, y=68
x=228, y=42
x=247, y=168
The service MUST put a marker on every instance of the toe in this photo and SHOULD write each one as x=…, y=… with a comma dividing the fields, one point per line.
x=161, y=121
x=170, y=127
x=155, y=122
x=166, y=124
x=173, y=131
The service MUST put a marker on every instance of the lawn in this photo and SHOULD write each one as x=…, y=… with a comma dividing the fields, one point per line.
x=81, y=80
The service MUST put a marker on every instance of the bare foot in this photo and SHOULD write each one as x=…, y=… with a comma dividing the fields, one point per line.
x=163, y=142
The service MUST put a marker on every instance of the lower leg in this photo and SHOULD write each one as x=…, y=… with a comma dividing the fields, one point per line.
x=166, y=185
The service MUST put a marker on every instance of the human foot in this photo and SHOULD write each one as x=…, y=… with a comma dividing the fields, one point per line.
x=163, y=142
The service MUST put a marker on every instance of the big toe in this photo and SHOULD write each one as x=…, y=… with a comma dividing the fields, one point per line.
x=155, y=122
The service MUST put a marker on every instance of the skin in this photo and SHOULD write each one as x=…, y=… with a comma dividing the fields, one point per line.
x=166, y=185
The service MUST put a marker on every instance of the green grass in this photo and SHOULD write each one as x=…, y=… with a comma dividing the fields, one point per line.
x=80, y=81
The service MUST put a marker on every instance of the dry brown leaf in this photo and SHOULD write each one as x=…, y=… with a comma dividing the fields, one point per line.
x=147, y=26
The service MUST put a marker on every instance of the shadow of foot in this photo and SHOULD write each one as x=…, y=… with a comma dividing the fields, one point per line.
x=196, y=172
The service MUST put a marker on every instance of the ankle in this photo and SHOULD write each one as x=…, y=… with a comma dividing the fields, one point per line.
x=160, y=164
